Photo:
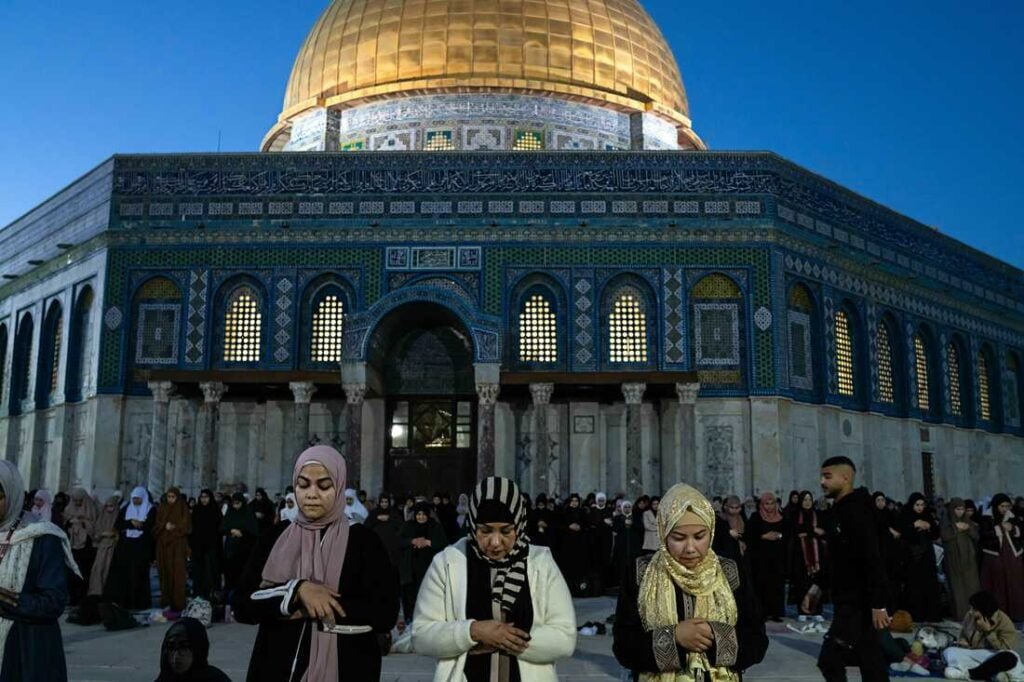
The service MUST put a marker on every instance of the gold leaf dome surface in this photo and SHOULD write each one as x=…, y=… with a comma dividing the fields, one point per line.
x=609, y=51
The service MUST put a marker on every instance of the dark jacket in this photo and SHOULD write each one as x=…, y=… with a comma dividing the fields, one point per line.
x=369, y=596
x=34, y=649
x=641, y=650
x=858, y=571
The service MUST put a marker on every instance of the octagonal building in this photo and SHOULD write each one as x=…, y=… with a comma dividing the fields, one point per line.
x=484, y=237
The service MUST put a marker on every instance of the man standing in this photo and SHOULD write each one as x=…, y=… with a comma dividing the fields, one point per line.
x=858, y=580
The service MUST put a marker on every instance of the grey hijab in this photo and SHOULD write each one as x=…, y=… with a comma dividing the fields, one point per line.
x=14, y=490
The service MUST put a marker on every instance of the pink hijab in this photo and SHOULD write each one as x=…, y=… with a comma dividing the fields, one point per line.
x=300, y=553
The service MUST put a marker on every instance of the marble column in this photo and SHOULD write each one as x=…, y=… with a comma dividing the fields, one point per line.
x=634, y=395
x=207, y=436
x=541, y=438
x=156, y=481
x=487, y=394
x=354, y=394
x=686, y=464
x=303, y=392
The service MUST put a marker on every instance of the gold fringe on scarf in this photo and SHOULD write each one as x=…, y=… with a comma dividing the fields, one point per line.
x=706, y=582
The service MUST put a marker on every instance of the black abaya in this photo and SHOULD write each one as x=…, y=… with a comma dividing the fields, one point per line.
x=128, y=581
x=768, y=560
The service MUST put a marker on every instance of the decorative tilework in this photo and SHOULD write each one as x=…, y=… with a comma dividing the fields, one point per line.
x=195, y=324
x=113, y=317
x=250, y=208
x=620, y=207
x=311, y=208
x=340, y=208
x=686, y=207
x=763, y=318
x=469, y=257
x=221, y=208
x=156, y=338
x=716, y=332
x=531, y=206
x=584, y=355
x=433, y=258
x=471, y=207
x=499, y=206
x=436, y=207
x=675, y=332
x=402, y=207
x=829, y=320
x=563, y=207
x=283, y=290
x=801, y=365
x=591, y=207
x=397, y=258
x=655, y=207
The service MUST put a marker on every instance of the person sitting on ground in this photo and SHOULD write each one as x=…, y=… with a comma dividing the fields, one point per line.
x=986, y=645
x=492, y=606
x=183, y=656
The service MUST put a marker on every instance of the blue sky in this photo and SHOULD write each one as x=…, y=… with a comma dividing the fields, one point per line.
x=917, y=105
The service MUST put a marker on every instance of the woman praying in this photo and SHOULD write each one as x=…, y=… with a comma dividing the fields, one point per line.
x=684, y=614
x=105, y=537
x=920, y=530
x=80, y=524
x=320, y=588
x=173, y=525
x=1002, y=546
x=128, y=582
x=205, y=542
x=960, y=539
x=767, y=535
x=492, y=607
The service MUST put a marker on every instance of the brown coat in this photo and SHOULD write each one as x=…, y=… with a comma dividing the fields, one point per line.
x=1002, y=637
x=172, y=551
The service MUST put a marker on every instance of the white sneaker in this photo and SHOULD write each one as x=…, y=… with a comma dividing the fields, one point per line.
x=801, y=618
x=956, y=674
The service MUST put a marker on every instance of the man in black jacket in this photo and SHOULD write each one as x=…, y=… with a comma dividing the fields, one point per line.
x=858, y=580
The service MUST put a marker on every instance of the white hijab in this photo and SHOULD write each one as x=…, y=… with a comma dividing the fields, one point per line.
x=290, y=514
x=45, y=510
x=14, y=490
x=355, y=512
x=137, y=512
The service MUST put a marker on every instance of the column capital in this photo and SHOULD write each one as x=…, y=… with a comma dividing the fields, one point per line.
x=213, y=391
x=161, y=390
x=541, y=393
x=487, y=393
x=634, y=393
x=354, y=393
x=687, y=393
x=302, y=391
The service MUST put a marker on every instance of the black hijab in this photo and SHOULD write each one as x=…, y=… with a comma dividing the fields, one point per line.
x=189, y=633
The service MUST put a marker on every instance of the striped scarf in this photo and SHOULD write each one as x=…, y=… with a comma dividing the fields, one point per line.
x=511, y=571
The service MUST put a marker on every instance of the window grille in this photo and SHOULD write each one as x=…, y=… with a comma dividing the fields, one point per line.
x=242, y=327
x=538, y=331
x=328, y=322
x=627, y=329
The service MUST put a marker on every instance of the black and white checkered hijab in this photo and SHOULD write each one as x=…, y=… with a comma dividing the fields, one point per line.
x=511, y=575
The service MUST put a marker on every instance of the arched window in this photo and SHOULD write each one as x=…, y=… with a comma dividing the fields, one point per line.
x=627, y=326
x=1014, y=388
x=922, y=371
x=80, y=347
x=538, y=330
x=243, y=326
x=801, y=355
x=3, y=358
x=954, y=379
x=328, y=323
x=886, y=383
x=984, y=388
x=717, y=344
x=51, y=341
x=845, y=379
x=20, y=364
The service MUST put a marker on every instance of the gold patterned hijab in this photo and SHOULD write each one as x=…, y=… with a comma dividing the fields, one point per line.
x=706, y=582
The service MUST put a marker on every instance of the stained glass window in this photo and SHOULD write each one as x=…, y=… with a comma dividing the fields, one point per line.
x=921, y=368
x=439, y=141
x=715, y=285
x=242, y=326
x=627, y=329
x=328, y=321
x=953, y=375
x=984, y=399
x=538, y=331
x=528, y=141
x=58, y=336
x=886, y=387
x=844, y=354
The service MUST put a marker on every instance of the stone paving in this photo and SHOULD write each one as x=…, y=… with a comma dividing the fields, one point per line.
x=95, y=655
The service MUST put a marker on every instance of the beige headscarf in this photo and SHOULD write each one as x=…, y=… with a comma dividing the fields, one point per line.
x=706, y=582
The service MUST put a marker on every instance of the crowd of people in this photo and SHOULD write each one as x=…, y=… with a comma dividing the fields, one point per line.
x=358, y=566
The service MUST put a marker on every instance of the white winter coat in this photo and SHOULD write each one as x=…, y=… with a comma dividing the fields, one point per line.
x=440, y=628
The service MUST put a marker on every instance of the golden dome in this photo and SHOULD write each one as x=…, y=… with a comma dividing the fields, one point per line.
x=605, y=51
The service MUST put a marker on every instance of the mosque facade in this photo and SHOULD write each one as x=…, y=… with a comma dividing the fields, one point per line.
x=485, y=238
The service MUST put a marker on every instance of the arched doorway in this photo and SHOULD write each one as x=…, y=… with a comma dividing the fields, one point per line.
x=424, y=356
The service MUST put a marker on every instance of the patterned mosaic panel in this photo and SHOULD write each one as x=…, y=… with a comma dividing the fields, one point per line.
x=717, y=334
x=195, y=325
x=156, y=338
x=829, y=320
x=674, y=316
x=801, y=365
x=283, y=294
x=584, y=342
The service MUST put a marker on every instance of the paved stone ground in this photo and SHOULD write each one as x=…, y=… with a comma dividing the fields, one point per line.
x=95, y=655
